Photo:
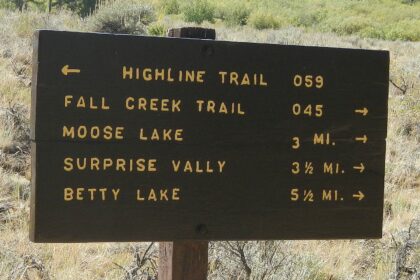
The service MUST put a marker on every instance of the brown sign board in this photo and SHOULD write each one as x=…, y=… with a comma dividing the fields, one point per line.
x=140, y=138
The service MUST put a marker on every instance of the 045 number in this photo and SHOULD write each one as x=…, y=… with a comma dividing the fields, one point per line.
x=308, y=110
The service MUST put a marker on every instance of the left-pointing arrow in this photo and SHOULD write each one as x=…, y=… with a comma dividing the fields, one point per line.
x=66, y=70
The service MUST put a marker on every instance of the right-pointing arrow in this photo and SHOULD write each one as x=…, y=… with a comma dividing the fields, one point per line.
x=359, y=196
x=360, y=167
x=363, y=139
x=364, y=111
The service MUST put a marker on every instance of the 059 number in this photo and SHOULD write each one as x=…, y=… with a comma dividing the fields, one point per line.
x=308, y=81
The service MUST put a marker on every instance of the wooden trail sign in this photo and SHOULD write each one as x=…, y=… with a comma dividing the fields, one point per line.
x=143, y=138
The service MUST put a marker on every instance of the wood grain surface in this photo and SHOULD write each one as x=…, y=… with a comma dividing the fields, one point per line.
x=263, y=141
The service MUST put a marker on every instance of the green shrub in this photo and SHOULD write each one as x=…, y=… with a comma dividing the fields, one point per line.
x=28, y=23
x=82, y=7
x=157, y=29
x=309, y=18
x=6, y=4
x=198, y=11
x=122, y=17
x=372, y=32
x=171, y=7
x=237, y=15
x=410, y=2
x=261, y=20
x=406, y=30
x=25, y=25
x=348, y=25
x=15, y=4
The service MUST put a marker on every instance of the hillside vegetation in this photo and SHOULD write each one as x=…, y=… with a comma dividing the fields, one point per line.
x=395, y=256
x=383, y=19
x=386, y=19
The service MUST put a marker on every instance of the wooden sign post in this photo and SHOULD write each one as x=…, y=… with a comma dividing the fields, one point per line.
x=179, y=260
x=138, y=138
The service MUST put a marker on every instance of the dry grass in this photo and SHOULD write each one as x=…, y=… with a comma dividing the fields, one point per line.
x=393, y=257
